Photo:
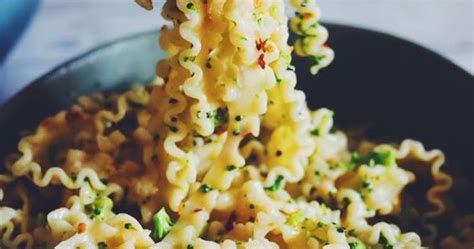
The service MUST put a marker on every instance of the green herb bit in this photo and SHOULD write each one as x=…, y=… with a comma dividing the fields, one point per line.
x=128, y=226
x=277, y=184
x=252, y=206
x=317, y=59
x=219, y=116
x=102, y=245
x=367, y=185
x=189, y=58
x=374, y=158
x=231, y=168
x=278, y=80
x=258, y=18
x=386, y=158
x=190, y=6
x=314, y=132
x=100, y=208
x=325, y=208
x=357, y=245
x=161, y=225
x=384, y=242
x=204, y=188
x=346, y=201
x=351, y=165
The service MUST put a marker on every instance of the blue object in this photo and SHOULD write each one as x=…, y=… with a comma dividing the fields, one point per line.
x=14, y=18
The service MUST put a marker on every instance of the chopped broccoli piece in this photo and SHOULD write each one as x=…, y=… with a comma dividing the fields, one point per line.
x=161, y=225
x=374, y=158
x=385, y=158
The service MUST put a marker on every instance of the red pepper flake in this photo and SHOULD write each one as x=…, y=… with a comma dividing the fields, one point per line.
x=325, y=45
x=261, y=61
x=82, y=227
x=260, y=44
x=197, y=210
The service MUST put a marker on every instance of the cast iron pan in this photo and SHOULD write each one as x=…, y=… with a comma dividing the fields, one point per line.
x=399, y=89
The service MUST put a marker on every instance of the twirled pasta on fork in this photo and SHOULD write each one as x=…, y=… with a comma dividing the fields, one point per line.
x=220, y=151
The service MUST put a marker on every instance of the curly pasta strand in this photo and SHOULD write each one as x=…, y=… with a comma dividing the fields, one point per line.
x=311, y=35
x=219, y=151
x=443, y=182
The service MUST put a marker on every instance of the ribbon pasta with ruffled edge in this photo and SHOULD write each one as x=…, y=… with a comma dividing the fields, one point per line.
x=221, y=151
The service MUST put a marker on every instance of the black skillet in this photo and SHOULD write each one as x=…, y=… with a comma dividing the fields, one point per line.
x=401, y=89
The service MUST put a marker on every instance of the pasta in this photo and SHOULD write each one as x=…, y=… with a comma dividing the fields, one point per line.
x=220, y=151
